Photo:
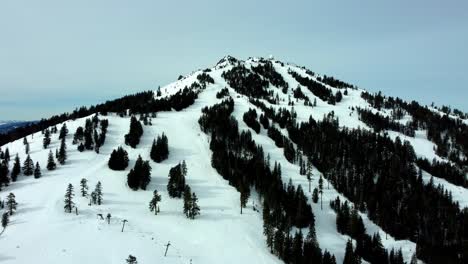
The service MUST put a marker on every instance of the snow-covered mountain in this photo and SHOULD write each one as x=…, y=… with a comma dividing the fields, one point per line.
x=6, y=126
x=283, y=95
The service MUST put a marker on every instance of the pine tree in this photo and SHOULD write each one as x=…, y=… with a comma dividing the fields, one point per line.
x=69, y=204
x=268, y=229
x=98, y=191
x=4, y=179
x=63, y=131
x=62, y=155
x=176, y=183
x=26, y=148
x=315, y=195
x=7, y=155
x=46, y=139
x=136, y=131
x=131, y=260
x=160, y=149
x=37, y=171
x=51, y=165
x=11, y=203
x=244, y=197
x=79, y=134
x=279, y=243
x=321, y=191
x=140, y=175
x=187, y=200
x=5, y=220
x=328, y=258
x=194, y=208
x=84, y=187
x=118, y=159
x=94, y=197
x=16, y=169
x=28, y=166
x=153, y=205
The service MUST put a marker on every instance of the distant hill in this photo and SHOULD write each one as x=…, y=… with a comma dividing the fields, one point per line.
x=6, y=126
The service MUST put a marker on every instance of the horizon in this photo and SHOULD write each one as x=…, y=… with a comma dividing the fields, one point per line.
x=59, y=56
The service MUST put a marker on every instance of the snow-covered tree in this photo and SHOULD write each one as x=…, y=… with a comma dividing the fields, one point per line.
x=11, y=203
x=28, y=166
x=37, y=171
x=98, y=191
x=131, y=260
x=69, y=199
x=187, y=200
x=153, y=205
x=51, y=165
x=194, y=208
x=84, y=187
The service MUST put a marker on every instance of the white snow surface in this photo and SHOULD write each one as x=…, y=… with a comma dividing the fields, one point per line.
x=41, y=232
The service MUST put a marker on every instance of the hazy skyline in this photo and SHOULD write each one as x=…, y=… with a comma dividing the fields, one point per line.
x=58, y=55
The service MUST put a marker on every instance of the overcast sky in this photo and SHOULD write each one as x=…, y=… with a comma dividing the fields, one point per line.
x=56, y=55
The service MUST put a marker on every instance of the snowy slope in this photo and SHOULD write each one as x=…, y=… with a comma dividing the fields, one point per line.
x=41, y=232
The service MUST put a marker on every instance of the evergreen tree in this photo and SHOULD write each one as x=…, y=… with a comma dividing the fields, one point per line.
x=4, y=179
x=140, y=175
x=350, y=256
x=37, y=171
x=244, y=197
x=98, y=192
x=153, y=205
x=321, y=191
x=63, y=131
x=81, y=147
x=16, y=169
x=297, y=251
x=26, y=148
x=79, y=135
x=118, y=159
x=279, y=243
x=93, y=197
x=160, y=149
x=7, y=155
x=28, y=166
x=268, y=229
x=46, y=139
x=62, y=154
x=136, y=131
x=131, y=260
x=194, y=208
x=328, y=258
x=69, y=204
x=11, y=203
x=315, y=195
x=187, y=200
x=5, y=220
x=84, y=187
x=176, y=183
x=51, y=165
